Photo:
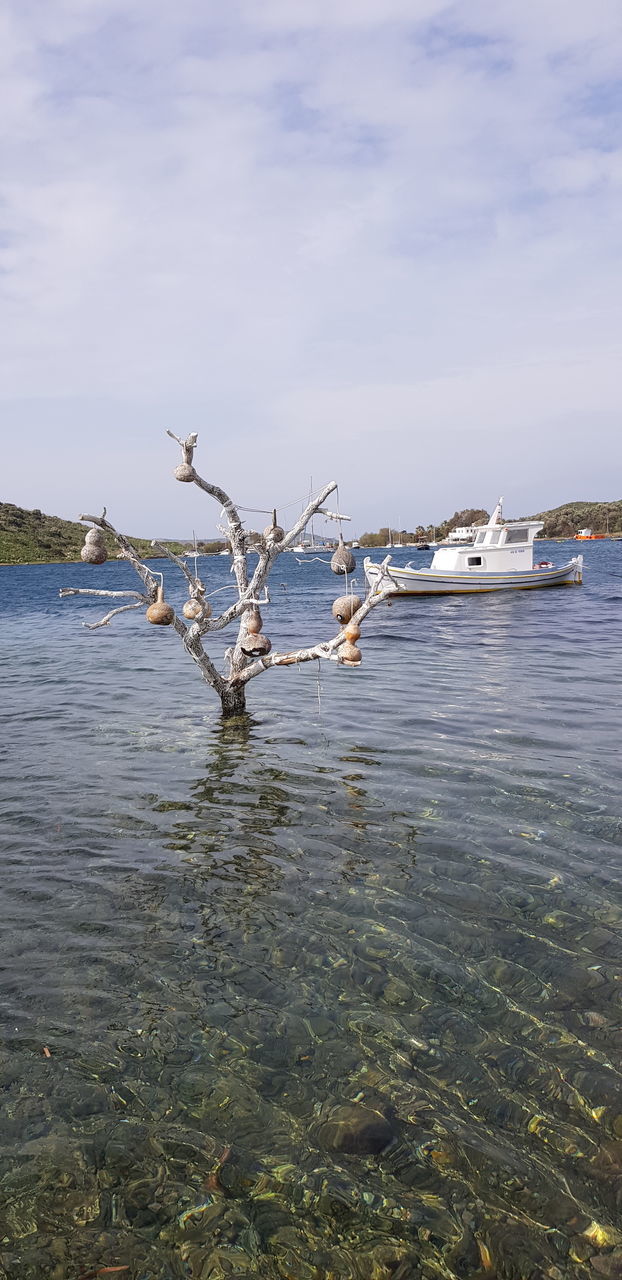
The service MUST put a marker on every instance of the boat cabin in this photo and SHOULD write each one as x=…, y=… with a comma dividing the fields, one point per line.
x=498, y=547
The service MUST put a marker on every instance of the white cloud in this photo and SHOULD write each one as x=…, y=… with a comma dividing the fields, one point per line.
x=368, y=216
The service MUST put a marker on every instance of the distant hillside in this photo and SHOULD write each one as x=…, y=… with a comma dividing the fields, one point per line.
x=29, y=537
x=564, y=521
x=559, y=522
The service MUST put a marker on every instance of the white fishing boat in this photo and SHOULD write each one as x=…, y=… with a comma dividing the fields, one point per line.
x=500, y=558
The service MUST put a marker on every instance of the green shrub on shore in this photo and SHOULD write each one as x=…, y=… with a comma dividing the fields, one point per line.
x=30, y=537
x=565, y=521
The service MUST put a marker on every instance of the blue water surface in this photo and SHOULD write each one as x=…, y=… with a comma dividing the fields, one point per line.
x=334, y=992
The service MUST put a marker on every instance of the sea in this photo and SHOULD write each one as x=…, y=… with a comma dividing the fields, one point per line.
x=330, y=993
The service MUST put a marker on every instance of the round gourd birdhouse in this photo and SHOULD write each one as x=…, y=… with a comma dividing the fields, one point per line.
x=196, y=608
x=342, y=560
x=184, y=472
x=254, y=621
x=193, y=609
x=353, y=632
x=94, y=538
x=350, y=655
x=345, y=606
x=255, y=646
x=93, y=553
x=160, y=613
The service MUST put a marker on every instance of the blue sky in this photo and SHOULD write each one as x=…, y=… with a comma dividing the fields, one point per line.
x=370, y=240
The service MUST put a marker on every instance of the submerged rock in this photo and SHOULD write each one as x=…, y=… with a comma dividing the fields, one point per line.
x=356, y=1130
x=608, y=1264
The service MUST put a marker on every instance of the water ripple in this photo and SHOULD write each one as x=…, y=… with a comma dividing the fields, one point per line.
x=334, y=995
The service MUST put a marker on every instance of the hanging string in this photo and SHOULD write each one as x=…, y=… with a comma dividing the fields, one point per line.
x=319, y=689
x=283, y=506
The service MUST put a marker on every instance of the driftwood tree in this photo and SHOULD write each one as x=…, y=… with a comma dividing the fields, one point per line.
x=251, y=654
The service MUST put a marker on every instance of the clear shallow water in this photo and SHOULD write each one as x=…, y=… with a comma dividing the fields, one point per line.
x=390, y=908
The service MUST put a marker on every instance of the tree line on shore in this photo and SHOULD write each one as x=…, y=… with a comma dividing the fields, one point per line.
x=32, y=537
x=425, y=533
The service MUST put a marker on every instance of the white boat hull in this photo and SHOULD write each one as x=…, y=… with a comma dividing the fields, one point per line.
x=435, y=582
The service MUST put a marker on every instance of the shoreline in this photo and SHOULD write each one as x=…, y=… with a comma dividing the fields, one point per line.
x=22, y=564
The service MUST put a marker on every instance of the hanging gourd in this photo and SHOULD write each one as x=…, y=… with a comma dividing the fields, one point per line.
x=94, y=549
x=352, y=632
x=350, y=655
x=342, y=560
x=254, y=621
x=160, y=613
x=194, y=609
x=345, y=606
x=255, y=646
x=93, y=554
x=274, y=532
x=184, y=472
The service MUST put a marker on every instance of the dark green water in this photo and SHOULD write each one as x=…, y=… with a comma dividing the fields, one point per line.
x=340, y=994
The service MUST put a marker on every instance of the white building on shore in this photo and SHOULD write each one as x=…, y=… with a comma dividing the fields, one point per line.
x=464, y=533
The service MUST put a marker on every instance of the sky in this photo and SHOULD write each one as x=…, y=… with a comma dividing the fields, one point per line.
x=371, y=241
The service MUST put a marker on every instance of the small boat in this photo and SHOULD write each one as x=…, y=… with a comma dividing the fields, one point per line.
x=499, y=559
x=586, y=535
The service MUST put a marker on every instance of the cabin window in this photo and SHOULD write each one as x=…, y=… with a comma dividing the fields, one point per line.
x=516, y=535
x=480, y=537
x=474, y=560
x=494, y=537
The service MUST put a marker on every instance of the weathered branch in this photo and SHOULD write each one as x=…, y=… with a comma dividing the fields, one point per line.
x=140, y=599
x=237, y=609
x=191, y=637
x=105, y=621
x=129, y=552
x=195, y=584
x=326, y=649
x=187, y=446
x=92, y=591
x=309, y=511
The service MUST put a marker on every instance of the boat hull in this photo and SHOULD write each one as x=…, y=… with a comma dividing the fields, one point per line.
x=429, y=582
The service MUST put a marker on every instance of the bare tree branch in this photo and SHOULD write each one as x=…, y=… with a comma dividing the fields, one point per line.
x=237, y=610
x=196, y=586
x=188, y=445
x=92, y=591
x=326, y=649
x=129, y=552
x=104, y=622
x=191, y=637
x=309, y=511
